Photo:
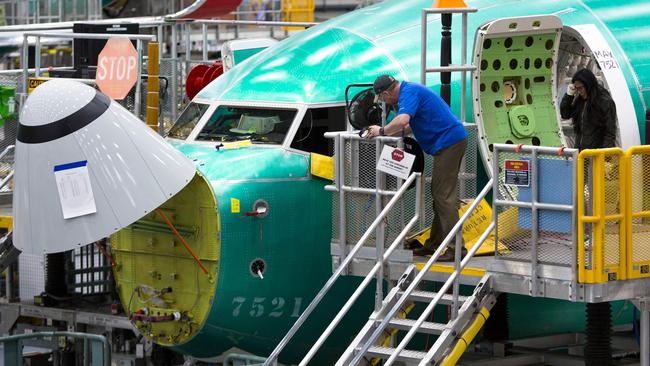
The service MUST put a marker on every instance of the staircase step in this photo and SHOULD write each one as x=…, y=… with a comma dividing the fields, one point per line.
x=406, y=355
x=426, y=327
x=427, y=296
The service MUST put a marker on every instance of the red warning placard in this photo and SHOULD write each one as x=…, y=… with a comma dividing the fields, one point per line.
x=517, y=172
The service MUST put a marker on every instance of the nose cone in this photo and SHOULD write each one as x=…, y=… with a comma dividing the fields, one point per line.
x=85, y=168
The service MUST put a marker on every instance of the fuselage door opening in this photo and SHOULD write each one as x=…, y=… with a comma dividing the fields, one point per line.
x=513, y=89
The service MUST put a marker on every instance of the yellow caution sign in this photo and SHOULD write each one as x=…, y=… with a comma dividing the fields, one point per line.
x=234, y=205
x=473, y=228
x=6, y=222
x=34, y=82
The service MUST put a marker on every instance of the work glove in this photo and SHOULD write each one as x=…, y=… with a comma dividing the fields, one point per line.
x=571, y=89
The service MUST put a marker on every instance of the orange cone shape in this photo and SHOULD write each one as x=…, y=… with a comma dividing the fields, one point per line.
x=449, y=4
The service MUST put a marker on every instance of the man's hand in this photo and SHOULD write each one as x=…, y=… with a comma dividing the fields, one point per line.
x=372, y=131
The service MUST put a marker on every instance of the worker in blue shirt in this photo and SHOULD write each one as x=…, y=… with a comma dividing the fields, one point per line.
x=440, y=134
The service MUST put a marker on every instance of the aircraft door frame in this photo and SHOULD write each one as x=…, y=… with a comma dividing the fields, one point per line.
x=591, y=37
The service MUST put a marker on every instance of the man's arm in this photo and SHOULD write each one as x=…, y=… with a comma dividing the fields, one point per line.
x=398, y=125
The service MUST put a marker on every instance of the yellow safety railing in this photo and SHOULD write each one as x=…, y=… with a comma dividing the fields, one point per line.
x=601, y=213
x=638, y=211
x=297, y=11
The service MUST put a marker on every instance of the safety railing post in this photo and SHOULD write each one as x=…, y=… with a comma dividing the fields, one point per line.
x=175, y=63
x=423, y=48
x=188, y=55
x=13, y=352
x=534, y=185
x=97, y=353
x=204, y=38
x=580, y=245
x=456, y=287
x=86, y=348
x=37, y=57
x=138, y=85
x=340, y=181
x=380, y=232
x=574, y=234
x=598, y=211
x=495, y=199
x=25, y=63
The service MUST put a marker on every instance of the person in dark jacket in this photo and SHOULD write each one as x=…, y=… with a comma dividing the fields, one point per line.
x=592, y=110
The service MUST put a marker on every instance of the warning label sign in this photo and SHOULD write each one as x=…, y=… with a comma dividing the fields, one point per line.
x=517, y=172
x=33, y=83
x=395, y=162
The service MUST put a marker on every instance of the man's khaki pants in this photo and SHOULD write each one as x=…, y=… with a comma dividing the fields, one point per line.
x=444, y=182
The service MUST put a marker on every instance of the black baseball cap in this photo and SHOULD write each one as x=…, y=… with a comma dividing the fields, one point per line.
x=383, y=83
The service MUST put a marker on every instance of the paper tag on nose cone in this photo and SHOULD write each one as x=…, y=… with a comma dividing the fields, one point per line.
x=75, y=191
x=131, y=170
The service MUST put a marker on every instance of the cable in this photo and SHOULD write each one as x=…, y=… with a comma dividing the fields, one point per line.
x=187, y=246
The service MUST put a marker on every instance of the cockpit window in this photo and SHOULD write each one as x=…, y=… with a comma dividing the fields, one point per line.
x=260, y=125
x=187, y=121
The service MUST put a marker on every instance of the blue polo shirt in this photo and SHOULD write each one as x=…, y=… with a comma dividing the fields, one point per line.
x=434, y=125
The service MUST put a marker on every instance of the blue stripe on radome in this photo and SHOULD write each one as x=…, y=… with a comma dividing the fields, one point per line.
x=76, y=164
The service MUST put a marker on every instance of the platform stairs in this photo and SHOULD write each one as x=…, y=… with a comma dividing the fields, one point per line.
x=467, y=313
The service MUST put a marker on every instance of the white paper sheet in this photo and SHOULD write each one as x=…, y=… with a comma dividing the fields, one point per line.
x=75, y=191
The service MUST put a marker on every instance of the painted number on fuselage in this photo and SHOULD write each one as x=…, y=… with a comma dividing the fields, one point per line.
x=606, y=59
x=257, y=309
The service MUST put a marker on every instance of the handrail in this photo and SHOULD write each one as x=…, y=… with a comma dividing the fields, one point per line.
x=599, y=216
x=330, y=282
x=6, y=151
x=454, y=231
x=398, y=240
x=91, y=337
x=7, y=178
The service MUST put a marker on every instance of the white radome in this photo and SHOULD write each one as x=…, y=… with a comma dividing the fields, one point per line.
x=131, y=169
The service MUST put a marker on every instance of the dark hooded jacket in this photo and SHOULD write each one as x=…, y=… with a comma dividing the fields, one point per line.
x=594, y=119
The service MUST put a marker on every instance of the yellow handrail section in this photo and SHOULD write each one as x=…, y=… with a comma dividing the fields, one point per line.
x=297, y=11
x=638, y=211
x=602, y=254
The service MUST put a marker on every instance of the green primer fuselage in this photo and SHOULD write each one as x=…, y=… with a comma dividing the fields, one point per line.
x=313, y=68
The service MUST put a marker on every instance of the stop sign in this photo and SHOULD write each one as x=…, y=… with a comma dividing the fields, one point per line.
x=117, y=68
x=397, y=155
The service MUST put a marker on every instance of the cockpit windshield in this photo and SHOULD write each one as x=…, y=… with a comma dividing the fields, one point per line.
x=260, y=125
x=187, y=121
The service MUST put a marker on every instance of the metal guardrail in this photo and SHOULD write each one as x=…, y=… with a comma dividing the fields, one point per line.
x=463, y=68
x=535, y=215
x=383, y=253
x=7, y=178
x=637, y=212
x=453, y=280
x=602, y=215
x=95, y=346
x=37, y=60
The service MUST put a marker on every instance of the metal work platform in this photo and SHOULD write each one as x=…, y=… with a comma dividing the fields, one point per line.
x=509, y=276
x=97, y=317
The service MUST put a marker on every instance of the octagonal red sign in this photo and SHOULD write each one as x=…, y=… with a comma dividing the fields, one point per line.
x=117, y=68
x=397, y=155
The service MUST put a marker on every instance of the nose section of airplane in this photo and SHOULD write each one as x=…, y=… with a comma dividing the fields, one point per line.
x=86, y=167
x=164, y=289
